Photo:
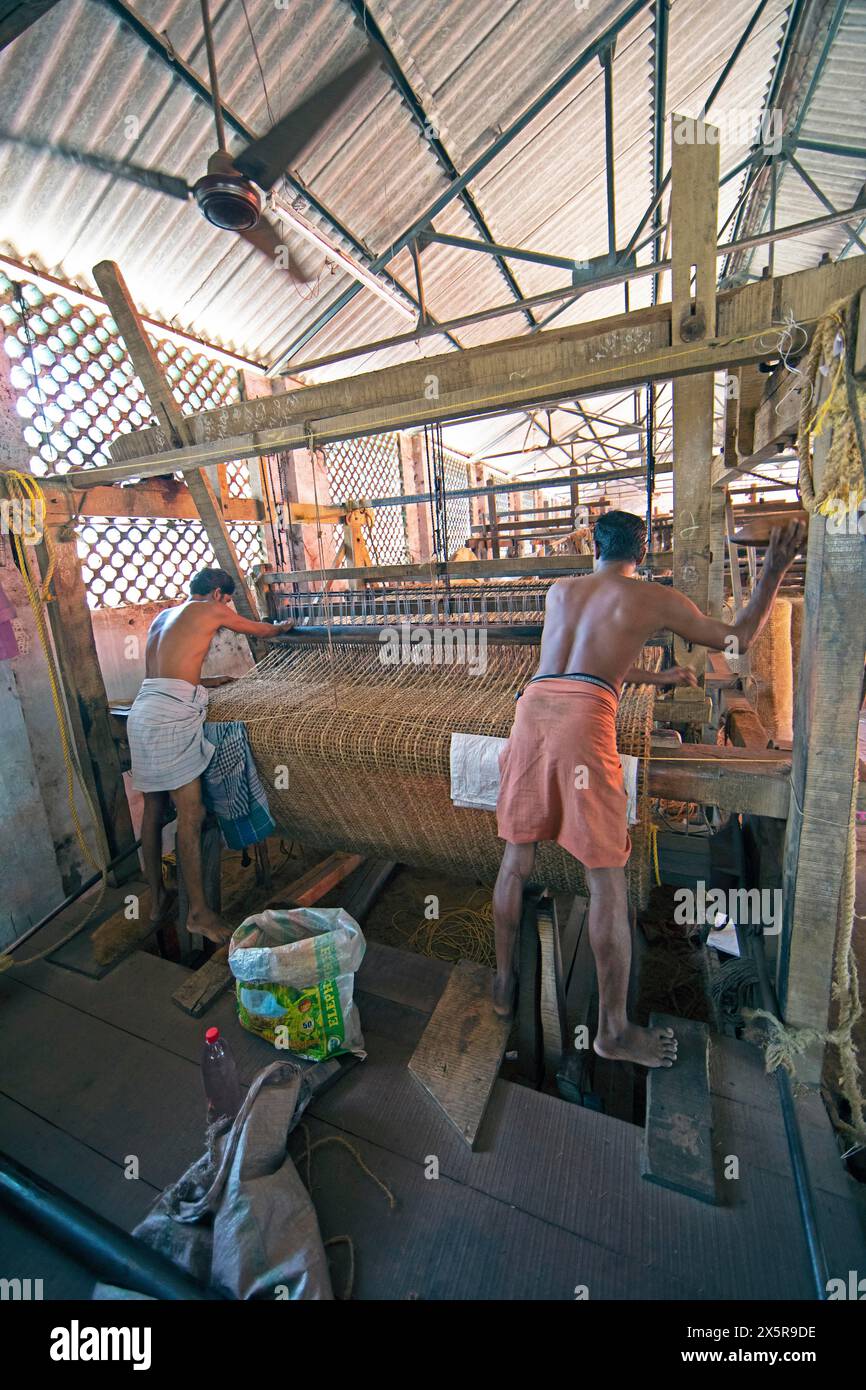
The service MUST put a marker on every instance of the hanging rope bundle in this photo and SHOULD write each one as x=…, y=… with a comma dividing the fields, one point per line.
x=832, y=355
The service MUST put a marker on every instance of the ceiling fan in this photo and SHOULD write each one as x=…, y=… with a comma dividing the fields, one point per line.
x=229, y=195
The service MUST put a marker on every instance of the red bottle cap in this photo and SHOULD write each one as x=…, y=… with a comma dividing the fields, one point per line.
x=211, y=1035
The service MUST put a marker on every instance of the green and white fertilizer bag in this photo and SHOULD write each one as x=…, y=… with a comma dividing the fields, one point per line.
x=295, y=973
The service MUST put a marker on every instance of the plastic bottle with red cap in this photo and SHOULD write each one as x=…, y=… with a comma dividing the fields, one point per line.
x=220, y=1077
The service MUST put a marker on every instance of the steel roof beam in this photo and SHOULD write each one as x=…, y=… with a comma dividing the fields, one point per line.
x=363, y=13
x=654, y=208
x=162, y=47
x=587, y=56
x=822, y=197
x=795, y=18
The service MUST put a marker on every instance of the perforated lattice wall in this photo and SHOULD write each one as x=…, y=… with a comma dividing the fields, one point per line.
x=140, y=560
x=457, y=509
x=238, y=479
x=77, y=388
x=359, y=468
x=76, y=391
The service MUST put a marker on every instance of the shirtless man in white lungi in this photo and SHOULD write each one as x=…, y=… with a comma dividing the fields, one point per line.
x=168, y=747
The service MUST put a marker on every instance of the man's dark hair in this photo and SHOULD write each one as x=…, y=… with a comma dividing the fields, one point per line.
x=207, y=580
x=619, y=536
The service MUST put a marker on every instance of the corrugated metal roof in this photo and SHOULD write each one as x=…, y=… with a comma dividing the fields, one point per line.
x=82, y=77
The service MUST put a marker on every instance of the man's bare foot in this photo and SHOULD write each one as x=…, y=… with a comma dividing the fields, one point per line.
x=504, y=991
x=209, y=924
x=163, y=907
x=651, y=1047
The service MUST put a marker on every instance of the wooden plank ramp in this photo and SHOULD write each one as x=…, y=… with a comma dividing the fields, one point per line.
x=461, y=1050
x=678, y=1140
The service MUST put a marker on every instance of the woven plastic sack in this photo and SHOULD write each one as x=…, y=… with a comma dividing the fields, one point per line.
x=295, y=974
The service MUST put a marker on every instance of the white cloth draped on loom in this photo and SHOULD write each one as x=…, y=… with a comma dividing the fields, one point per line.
x=475, y=773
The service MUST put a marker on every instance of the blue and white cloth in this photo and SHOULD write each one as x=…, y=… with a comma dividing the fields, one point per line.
x=233, y=789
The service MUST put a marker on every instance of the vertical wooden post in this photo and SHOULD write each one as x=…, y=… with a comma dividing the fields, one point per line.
x=252, y=387
x=694, y=228
x=165, y=407
x=87, y=704
x=824, y=767
x=422, y=509
x=412, y=512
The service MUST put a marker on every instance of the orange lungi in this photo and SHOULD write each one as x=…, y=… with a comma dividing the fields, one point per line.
x=560, y=774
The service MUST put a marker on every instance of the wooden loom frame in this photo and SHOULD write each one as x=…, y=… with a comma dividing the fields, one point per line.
x=687, y=340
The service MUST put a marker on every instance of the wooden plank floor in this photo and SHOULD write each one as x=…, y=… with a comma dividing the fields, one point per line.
x=97, y=1071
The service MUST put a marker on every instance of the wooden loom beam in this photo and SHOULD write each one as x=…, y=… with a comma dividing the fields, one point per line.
x=694, y=223
x=624, y=350
x=173, y=423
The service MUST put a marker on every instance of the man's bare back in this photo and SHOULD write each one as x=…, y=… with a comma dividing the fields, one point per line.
x=179, y=638
x=596, y=626
x=177, y=645
x=598, y=623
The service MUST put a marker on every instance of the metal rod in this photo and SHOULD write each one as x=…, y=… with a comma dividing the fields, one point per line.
x=610, y=186
x=660, y=78
x=561, y=480
x=516, y=128
x=817, y=72
x=820, y=195
x=829, y=147
x=427, y=128
x=796, y=1152
x=112, y=1254
x=614, y=278
x=495, y=248
x=214, y=78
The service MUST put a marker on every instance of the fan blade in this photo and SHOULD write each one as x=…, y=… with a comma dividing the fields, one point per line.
x=133, y=173
x=266, y=238
x=265, y=160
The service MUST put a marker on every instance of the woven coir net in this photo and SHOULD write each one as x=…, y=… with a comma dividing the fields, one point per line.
x=355, y=755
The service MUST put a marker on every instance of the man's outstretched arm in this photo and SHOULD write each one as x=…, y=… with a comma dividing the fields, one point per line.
x=687, y=621
x=236, y=622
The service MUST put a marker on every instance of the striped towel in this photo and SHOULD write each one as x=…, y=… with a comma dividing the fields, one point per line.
x=233, y=789
x=166, y=734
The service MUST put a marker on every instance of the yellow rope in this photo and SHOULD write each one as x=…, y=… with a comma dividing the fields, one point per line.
x=462, y=933
x=23, y=487
x=654, y=847
x=841, y=411
x=310, y=1147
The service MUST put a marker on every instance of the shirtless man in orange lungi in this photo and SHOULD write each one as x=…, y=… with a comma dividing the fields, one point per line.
x=561, y=778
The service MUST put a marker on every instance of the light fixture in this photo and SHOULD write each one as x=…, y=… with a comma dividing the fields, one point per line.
x=313, y=234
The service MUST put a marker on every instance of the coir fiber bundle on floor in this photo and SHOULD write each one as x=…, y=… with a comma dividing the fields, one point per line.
x=355, y=754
